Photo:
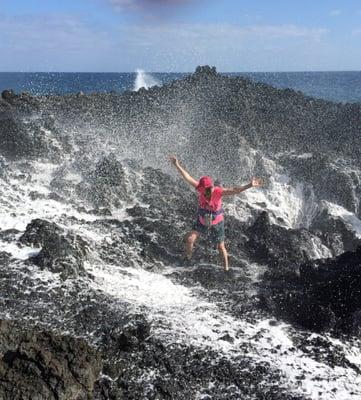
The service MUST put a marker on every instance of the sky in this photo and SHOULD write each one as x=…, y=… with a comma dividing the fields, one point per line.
x=178, y=35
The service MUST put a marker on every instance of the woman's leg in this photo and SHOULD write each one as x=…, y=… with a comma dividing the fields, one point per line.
x=223, y=253
x=190, y=239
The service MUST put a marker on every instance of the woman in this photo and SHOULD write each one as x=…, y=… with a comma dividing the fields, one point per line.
x=210, y=218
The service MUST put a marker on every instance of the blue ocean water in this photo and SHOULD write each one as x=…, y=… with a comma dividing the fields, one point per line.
x=334, y=86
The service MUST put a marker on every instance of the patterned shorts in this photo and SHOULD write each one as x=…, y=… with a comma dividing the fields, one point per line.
x=215, y=232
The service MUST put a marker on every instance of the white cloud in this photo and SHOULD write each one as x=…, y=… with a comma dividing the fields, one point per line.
x=147, y=5
x=231, y=33
x=68, y=43
x=335, y=13
x=229, y=47
x=49, y=32
x=356, y=32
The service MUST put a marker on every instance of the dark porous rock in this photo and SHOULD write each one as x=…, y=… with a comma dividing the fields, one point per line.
x=127, y=337
x=104, y=390
x=62, y=252
x=8, y=95
x=206, y=70
x=26, y=137
x=278, y=246
x=334, y=232
x=105, y=186
x=312, y=315
x=326, y=351
x=181, y=371
x=109, y=171
x=42, y=365
x=353, y=323
x=227, y=338
x=4, y=107
x=4, y=259
x=23, y=102
x=9, y=235
x=327, y=294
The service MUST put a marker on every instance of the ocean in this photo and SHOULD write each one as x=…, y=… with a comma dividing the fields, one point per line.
x=333, y=86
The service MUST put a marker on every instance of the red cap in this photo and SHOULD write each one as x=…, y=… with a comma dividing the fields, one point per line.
x=205, y=182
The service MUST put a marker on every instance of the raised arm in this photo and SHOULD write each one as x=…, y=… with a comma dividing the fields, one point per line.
x=183, y=172
x=255, y=182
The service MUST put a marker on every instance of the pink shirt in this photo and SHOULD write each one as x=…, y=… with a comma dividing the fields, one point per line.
x=214, y=204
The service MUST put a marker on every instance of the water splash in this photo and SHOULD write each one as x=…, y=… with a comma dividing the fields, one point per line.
x=144, y=80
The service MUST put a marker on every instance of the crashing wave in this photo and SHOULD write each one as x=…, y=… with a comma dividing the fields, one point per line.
x=144, y=80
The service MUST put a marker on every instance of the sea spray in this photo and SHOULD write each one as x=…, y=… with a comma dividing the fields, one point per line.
x=189, y=332
x=144, y=80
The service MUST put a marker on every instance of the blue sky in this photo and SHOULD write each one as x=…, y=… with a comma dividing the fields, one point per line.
x=178, y=35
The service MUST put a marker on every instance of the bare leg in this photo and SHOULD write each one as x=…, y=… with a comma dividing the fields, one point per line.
x=190, y=239
x=223, y=253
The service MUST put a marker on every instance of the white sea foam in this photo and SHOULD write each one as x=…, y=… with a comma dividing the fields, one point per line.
x=178, y=314
x=181, y=314
x=21, y=253
x=19, y=207
x=292, y=206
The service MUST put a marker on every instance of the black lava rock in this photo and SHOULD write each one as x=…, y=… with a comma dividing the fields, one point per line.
x=105, y=186
x=335, y=233
x=327, y=294
x=61, y=251
x=278, y=246
x=22, y=138
x=38, y=364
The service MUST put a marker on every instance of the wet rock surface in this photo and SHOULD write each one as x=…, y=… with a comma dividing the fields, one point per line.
x=110, y=232
x=325, y=296
x=278, y=246
x=28, y=137
x=105, y=185
x=61, y=251
x=42, y=365
x=337, y=181
x=336, y=234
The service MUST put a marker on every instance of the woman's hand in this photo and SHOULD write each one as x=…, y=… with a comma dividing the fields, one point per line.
x=173, y=160
x=256, y=182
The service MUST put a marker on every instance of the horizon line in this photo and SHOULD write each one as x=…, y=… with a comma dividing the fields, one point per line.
x=175, y=72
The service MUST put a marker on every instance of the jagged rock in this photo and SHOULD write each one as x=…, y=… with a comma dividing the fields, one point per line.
x=104, y=390
x=61, y=251
x=20, y=138
x=336, y=182
x=9, y=235
x=276, y=245
x=38, y=364
x=335, y=233
x=128, y=337
x=105, y=186
x=109, y=171
x=327, y=294
x=8, y=95
x=314, y=316
x=353, y=323
x=4, y=259
x=213, y=113
x=206, y=70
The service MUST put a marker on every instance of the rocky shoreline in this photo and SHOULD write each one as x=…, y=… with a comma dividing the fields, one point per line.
x=100, y=222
